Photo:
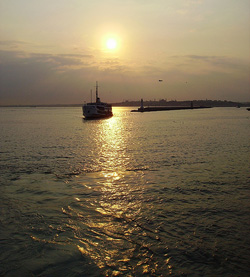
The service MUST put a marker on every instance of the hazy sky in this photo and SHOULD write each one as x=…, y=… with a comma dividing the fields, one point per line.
x=53, y=51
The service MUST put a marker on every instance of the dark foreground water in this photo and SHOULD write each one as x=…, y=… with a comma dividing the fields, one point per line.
x=153, y=194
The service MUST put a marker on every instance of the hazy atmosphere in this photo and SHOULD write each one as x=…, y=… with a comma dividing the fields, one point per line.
x=149, y=176
x=53, y=51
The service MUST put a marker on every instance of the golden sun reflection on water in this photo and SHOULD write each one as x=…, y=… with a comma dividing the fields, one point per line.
x=118, y=238
x=112, y=145
x=117, y=205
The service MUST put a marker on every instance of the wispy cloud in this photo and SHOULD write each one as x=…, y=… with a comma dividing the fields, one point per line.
x=39, y=77
x=13, y=44
x=49, y=61
x=205, y=63
x=40, y=73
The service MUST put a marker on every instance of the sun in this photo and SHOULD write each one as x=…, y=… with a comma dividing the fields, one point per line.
x=111, y=43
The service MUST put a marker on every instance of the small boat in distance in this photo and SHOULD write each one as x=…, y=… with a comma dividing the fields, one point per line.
x=97, y=109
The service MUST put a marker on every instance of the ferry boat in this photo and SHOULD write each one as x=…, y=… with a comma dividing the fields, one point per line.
x=97, y=109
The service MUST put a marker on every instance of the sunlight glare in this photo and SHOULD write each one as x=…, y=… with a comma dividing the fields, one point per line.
x=111, y=43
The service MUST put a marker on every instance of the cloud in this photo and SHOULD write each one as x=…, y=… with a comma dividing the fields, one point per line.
x=205, y=63
x=42, y=60
x=42, y=78
x=13, y=44
x=27, y=78
x=113, y=66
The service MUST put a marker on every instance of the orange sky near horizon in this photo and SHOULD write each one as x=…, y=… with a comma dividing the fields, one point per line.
x=53, y=51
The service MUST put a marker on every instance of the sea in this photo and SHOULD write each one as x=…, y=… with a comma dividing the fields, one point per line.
x=139, y=194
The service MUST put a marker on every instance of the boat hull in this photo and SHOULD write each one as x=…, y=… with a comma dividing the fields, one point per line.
x=97, y=111
x=97, y=117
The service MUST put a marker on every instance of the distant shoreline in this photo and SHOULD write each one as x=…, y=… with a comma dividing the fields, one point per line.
x=151, y=103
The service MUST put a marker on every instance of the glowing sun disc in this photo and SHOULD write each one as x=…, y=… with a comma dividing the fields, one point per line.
x=111, y=43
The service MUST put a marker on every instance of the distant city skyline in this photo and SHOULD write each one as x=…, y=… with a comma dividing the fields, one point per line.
x=53, y=51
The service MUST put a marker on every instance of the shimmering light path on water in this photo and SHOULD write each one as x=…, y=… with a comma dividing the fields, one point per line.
x=155, y=194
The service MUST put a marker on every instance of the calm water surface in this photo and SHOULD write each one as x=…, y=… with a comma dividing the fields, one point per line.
x=153, y=194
